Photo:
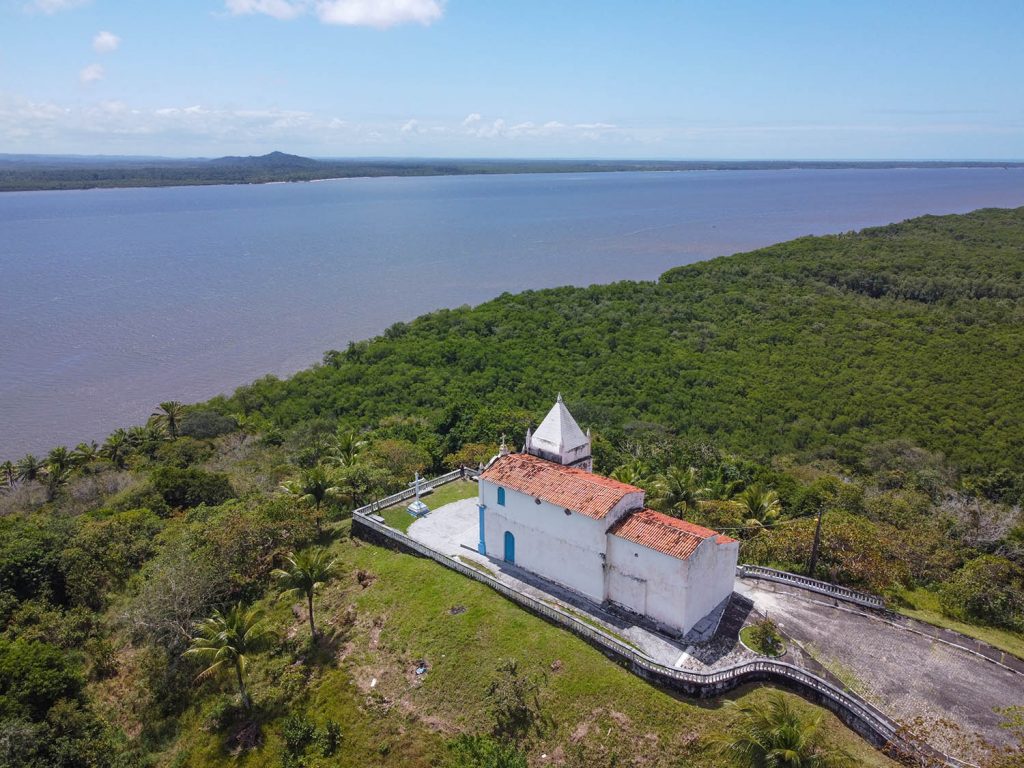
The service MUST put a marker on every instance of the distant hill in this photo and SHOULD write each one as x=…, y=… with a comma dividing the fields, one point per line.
x=271, y=161
x=39, y=172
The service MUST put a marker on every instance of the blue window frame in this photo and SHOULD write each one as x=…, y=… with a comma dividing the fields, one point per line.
x=501, y=497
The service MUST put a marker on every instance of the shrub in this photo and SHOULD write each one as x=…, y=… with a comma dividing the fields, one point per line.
x=183, y=452
x=765, y=638
x=989, y=590
x=184, y=488
x=33, y=677
x=479, y=751
x=206, y=424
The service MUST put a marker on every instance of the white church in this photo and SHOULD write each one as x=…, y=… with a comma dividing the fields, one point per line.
x=545, y=511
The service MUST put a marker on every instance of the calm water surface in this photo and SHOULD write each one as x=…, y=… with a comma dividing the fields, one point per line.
x=113, y=300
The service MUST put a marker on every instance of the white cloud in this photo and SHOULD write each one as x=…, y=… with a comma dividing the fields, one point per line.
x=352, y=13
x=105, y=42
x=279, y=9
x=196, y=128
x=378, y=13
x=55, y=6
x=91, y=73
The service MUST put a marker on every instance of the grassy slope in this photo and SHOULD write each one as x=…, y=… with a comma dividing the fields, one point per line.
x=923, y=605
x=594, y=708
x=398, y=515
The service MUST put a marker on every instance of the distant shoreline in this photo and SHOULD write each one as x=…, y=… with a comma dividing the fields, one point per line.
x=28, y=173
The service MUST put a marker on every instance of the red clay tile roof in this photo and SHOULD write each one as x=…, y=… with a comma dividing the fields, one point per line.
x=589, y=494
x=663, y=533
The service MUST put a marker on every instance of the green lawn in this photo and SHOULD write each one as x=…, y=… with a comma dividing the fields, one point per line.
x=594, y=712
x=398, y=516
x=747, y=636
x=923, y=604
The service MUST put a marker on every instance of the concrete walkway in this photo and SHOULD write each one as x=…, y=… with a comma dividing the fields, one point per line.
x=907, y=674
x=452, y=530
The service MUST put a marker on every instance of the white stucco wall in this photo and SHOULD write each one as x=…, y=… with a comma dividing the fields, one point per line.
x=566, y=549
x=674, y=592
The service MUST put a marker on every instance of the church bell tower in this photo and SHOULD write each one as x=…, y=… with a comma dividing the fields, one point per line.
x=560, y=439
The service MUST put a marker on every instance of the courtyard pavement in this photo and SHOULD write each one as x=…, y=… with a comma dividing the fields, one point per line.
x=908, y=674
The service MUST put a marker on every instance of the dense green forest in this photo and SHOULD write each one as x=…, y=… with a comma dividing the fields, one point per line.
x=816, y=348
x=28, y=172
x=872, y=378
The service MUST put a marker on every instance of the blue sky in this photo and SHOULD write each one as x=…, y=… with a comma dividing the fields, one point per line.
x=483, y=78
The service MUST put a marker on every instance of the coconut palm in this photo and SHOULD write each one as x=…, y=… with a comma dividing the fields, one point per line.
x=54, y=478
x=345, y=447
x=761, y=506
x=169, y=415
x=721, y=487
x=9, y=473
x=226, y=640
x=772, y=734
x=29, y=468
x=59, y=460
x=116, y=448
x=303, y=574
x=633, y=472
x=85, y=453
x=146, y=439
x=314, y=486
x=678, y=490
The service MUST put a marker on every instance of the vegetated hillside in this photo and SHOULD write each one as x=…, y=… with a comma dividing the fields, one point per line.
x=817, y=347
x=749, y=394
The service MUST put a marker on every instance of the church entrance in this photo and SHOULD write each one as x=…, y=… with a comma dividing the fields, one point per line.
x=510, y=548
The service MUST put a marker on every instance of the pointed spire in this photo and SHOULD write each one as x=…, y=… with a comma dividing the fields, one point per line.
x=503, y=449
x=559, y=438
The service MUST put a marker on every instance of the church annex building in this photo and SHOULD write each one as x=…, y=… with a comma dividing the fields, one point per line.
x=545, y=511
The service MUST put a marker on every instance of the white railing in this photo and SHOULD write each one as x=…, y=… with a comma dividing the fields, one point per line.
x=883, y=730
x=805, y=582
x=463, y=473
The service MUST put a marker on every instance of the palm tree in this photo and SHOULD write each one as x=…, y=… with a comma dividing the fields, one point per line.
x=633, y=472
x=54, y=478
x=59, y=460
x=314, y=486
x=226, y=640
x=761, y=506
x=169, y=415
x=29, y=468
x=116, y=448
x=678, y=490
x=85, y=453
x=305, y=571
x=720, y=487
x=772, y=734
x=146, y=439
x=345, y=447
x=9, y=473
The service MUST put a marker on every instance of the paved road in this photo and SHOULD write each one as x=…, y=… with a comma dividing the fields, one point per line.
x=907, y=674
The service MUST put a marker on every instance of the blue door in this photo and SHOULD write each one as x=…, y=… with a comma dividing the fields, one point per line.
x=510, y=547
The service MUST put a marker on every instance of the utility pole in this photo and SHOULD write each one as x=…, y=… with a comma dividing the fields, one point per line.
x=817, y=541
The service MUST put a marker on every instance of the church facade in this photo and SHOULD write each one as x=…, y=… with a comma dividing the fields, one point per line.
x=545, y=511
